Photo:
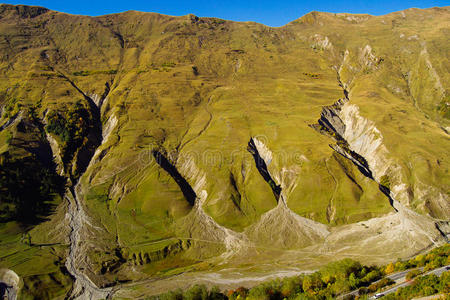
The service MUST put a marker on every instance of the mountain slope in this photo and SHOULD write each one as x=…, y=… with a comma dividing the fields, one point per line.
x=187, y=144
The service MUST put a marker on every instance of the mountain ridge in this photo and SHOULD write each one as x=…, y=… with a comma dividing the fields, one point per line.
x=41, y=10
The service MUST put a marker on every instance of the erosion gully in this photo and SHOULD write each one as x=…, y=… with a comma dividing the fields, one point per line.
x=83, y=287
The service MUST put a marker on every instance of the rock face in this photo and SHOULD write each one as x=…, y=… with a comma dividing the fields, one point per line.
x=185, y=144
x=360, y=141
x=9, y=284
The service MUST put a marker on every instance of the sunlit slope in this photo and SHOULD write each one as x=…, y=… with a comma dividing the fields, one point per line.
x=167, y=108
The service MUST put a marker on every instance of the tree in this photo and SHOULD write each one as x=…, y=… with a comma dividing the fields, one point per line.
x=239, y=293
x=371, y=276
x=26, y=190
x=312, y=283
x=197, y=292
x=353, y=280
x=412, y=274
x=390, y=268
x=291, y=286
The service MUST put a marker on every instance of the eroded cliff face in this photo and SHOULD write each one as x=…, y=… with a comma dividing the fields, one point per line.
x=359, y=140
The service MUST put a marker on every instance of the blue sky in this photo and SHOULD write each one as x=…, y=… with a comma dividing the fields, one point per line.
x=272, y=13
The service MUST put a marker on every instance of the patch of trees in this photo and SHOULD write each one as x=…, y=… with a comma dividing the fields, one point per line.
x=412, y=274
x=376, y=286
x=424, y=286
x=336, y=278
x=71, y=127
x=27, y=189
x=436, y=258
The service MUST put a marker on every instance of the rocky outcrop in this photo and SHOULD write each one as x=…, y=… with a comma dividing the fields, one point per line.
x=358, y=140
x=321, y=42
x=109, y=127
x=23, y=11
x=9, y=284
x=432, y=71
x=56, y=151
x=367, y=58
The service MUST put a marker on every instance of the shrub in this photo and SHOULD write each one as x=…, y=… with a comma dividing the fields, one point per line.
x=422, y=286
x=412, y=274
x=11, y=108
x=371, y=277
x=363, y=291
x=445, y=283
x=197, y=292
x=437, y=262
x=172, y=295
x=258, y=293
x=291, y=286
x=240, y=293
x=380, y=284
x=390, y=268
x=312, y=283
x=215, y=294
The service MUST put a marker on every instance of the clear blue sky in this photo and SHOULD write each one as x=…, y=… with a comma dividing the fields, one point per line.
x=272, y=13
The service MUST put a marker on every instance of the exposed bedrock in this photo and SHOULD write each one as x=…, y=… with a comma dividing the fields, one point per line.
x=358, y=140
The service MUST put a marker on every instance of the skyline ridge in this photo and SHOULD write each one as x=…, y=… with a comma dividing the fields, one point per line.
x=256, y=17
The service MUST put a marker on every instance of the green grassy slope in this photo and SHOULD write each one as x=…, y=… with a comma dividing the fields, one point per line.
x=197, y=89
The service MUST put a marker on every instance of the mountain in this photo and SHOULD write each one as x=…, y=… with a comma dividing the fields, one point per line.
x=141, y=152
